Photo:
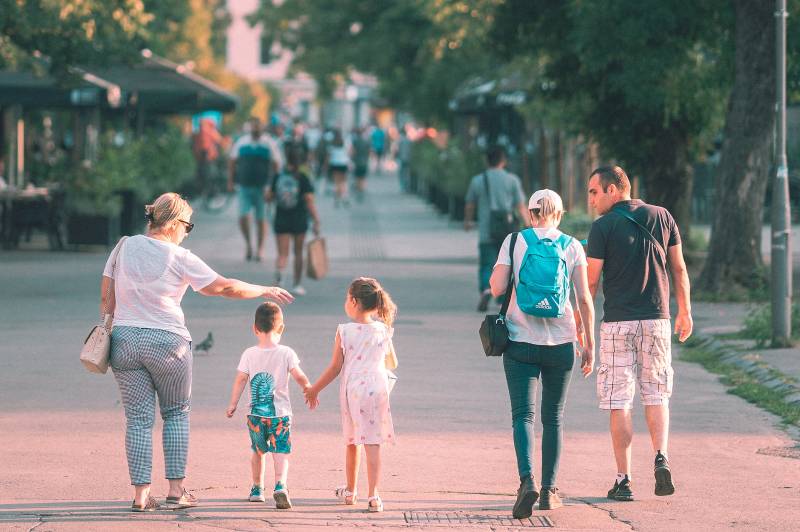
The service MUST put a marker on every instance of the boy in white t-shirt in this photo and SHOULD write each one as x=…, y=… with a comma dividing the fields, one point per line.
x=267, y=367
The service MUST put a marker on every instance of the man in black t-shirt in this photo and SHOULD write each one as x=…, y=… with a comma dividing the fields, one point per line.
x=632, y=244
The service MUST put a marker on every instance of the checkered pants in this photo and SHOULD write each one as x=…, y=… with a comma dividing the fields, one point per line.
x=147, y=362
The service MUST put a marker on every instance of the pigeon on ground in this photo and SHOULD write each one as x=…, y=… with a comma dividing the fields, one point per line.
x=203, y=348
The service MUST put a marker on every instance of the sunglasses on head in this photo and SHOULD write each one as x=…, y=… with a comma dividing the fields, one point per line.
x=189, y=225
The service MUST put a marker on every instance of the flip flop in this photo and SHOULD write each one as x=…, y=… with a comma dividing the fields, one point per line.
x=150, y=505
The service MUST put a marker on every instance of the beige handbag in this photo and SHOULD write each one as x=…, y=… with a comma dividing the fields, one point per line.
x=97, y=346
x=317, y=259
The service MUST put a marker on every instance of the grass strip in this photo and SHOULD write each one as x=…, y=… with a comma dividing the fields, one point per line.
x=744, y=384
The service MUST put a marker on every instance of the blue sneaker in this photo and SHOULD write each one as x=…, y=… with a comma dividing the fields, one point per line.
x=281, y=496
x=256, y=494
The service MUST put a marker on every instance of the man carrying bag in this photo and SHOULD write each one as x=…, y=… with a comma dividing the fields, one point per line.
x=496, y=196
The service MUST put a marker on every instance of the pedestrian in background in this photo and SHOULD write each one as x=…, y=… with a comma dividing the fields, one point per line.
x=542, y=348
x=206, y=143
x=363, y=352
x=493, y=195
x=378, y=142
x=254, y=158
x=297, y=143
x=404, y=160
x=151, y=350
x=359, y=149
x=338, y=163
x=267, y=366
x=293, y=195
x=632, y=244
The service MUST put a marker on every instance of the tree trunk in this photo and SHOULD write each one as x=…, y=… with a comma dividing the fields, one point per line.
x=669, y=178
x=734, y=258
x=544, y=159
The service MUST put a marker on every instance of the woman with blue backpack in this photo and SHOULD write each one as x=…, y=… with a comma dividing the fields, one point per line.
x=543, y=328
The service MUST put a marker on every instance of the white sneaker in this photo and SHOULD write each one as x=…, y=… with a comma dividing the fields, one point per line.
x=298, y=290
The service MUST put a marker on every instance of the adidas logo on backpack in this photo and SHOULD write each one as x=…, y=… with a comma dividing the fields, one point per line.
x=543, y=287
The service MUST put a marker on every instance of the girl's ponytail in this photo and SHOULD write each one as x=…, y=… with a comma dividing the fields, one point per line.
x=371, y=296
x=387, y=310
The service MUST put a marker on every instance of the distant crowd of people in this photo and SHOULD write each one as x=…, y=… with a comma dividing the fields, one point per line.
x=278, y=166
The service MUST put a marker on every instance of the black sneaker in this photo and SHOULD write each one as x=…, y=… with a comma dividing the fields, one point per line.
x=526, y=498
x=621, y=491
x=549, y=499
x=664, y=485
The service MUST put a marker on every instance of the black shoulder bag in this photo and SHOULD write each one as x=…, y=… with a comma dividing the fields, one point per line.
x=493, y=331
x=501, y=221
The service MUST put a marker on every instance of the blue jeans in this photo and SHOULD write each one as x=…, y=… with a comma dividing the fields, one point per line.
x=524, y=365
x=487, y=257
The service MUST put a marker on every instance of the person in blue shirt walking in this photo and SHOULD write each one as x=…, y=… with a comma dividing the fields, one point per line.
x=254, y=159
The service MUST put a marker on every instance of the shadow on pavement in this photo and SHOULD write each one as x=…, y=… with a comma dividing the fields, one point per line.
x=307, y=510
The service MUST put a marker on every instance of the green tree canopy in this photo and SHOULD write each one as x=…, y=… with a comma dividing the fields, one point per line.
x=420, y=50
x=65, y=34
x=647, y=79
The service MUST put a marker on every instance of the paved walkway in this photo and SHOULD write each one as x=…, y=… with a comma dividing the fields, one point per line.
x=61, y=429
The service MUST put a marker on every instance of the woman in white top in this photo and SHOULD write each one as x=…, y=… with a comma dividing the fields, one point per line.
x=338, y=164
x=151, y=349
x=542, y=348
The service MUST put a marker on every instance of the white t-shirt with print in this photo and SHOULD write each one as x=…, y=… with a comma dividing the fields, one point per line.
x=268, y=371
x=150, y=280
x=530, y=329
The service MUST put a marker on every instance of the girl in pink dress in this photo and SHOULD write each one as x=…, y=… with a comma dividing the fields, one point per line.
x=363, y=353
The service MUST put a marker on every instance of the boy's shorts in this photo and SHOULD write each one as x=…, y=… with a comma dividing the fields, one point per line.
x=632, y=351
x=252, y=198
x=270, y=434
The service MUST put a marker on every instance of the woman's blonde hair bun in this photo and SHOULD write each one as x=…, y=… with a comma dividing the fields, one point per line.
x=166, y=208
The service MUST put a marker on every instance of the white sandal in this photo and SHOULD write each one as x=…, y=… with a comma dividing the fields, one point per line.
x=378, y=504
x=342, y=493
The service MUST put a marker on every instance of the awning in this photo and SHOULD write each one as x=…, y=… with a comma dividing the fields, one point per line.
x=154, y=85
x=29, y=90
x=161, y=86
x=480, y=94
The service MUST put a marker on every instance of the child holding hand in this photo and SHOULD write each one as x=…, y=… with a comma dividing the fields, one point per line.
x=363, y=353
x=267, y=367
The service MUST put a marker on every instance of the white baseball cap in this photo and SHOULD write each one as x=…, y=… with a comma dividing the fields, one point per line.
x=536, y=199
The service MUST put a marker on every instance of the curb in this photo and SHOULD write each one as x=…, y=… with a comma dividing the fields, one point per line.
x=752, y=364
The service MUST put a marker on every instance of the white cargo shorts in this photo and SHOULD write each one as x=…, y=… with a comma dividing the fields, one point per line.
x=631, y=352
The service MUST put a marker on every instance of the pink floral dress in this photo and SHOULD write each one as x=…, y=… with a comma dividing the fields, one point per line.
x=364, y=389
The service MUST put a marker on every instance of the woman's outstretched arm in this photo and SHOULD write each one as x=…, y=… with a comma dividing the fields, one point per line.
x=236, y=289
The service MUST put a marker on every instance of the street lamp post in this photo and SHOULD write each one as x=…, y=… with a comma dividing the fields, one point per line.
x=781, y=250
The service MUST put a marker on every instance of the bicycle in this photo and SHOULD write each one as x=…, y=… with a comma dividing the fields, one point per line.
x=214, y=196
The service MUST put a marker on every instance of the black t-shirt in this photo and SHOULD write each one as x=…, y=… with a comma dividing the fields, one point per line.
x=635, y=281
x=290, y=203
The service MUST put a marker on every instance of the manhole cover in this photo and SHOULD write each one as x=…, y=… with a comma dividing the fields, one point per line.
x=460, y=518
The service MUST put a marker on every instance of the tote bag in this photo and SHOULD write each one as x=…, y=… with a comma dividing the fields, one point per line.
x=317, y=259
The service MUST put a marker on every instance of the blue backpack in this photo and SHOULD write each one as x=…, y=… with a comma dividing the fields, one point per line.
x=543, y=287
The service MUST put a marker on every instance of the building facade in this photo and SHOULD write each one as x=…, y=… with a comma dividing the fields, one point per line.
x=254, y=54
